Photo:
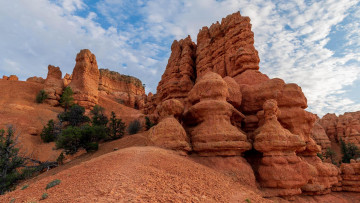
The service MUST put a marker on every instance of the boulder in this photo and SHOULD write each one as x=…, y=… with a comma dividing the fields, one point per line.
x=169, y=134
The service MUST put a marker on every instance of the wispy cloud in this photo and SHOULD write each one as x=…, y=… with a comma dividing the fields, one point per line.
x=313, y=44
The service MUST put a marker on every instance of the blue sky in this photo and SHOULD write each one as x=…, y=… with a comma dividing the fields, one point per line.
x=315, y=44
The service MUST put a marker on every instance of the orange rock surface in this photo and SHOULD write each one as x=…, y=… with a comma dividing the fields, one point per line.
x=281, y=172
x=208, y=120
x=53, y=85
x=36, y=80
x=227, y=48
x=125, y=88
x=179, y=75
x=319, y=135
x=85, y=79
x=350, y=174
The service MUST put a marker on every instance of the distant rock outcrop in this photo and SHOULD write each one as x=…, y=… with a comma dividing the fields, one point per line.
x=345, y=127
x=85, y=79
x=36, y=80
x=126, y=89
x=11, y=77
x=53, y=85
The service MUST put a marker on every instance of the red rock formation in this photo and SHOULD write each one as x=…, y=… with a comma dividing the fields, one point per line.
x=126, y=89
x=324, y=176
x=85, y=79
x=209, y=122
x=345, y=127
x=169, y=133
x=179, y=75
x=350, y=174
x=11, y=77
x=36, y=80
x=67, y=79
x=319, y=135
x=329, y=122
x=53, y=85
x=281, y=172
x=227, y=48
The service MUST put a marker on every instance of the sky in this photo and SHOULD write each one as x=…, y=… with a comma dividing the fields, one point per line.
x=315, y=44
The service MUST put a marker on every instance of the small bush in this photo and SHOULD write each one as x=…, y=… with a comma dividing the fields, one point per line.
x=44, y=196
x=248, y=200
x=75, y=116
x=92, y=146
x=67, y=99
x=330, y=154
x=73, y=138
x=41, y=96
x=98, y=117
x=349, y=151
x=70, y=139
x=321, y=156
x=60, y=159
x=148, y=123
x=116, y=127
x=24, y=187
x=48, y=133
x=53, y=183
x=134, y=127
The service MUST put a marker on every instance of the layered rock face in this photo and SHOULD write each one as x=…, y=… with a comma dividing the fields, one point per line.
x=350, y=174
x=85, y=79
x=227, y=48
x=281, y=172
x=208, y=120
x=179, y=75
x=319, y=135
x=53, y=85
x=127, y=89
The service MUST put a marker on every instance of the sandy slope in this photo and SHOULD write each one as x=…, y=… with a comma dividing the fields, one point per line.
x=138, y=174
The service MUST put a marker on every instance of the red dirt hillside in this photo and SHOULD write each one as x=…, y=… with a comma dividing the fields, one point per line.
x=138, y=174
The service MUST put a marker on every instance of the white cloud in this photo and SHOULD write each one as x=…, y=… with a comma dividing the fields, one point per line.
x=291, y=38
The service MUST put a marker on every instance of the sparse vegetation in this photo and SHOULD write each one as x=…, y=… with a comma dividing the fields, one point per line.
x=41, y=96
x=67, y=99
x=53, y=183
x=330, y=154
x=60, y=159
x=98, y=118
x=44, y=196
x=349, y=151
x=24, y=187
x=10, y=161
x=49, y=133
x=148, y=123
x=116, y=127
x=134, y=127
x=321, y=156
x=75, y=116
x=248, y=200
